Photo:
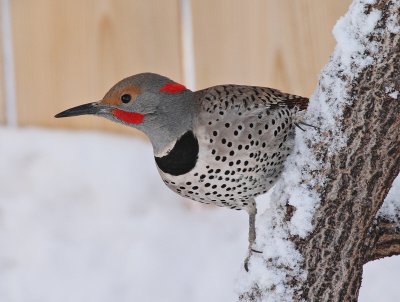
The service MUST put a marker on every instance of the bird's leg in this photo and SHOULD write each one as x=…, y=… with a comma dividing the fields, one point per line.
x=252, y=210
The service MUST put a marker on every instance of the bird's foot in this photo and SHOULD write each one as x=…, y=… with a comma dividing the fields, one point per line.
x=246, y=262
x=249, y=254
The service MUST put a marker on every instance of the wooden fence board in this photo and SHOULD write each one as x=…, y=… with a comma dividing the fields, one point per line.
x=71, y=52
x=277, y=43
x=2, y=92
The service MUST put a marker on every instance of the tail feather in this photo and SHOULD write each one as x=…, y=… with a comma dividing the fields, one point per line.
x=297, y=101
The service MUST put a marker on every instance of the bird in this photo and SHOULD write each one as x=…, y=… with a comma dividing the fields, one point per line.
x=223, y=145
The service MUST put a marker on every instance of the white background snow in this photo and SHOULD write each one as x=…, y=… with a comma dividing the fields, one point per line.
x=85, y=217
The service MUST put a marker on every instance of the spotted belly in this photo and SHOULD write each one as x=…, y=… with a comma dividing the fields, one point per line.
x=227, y=169
x=211, y=184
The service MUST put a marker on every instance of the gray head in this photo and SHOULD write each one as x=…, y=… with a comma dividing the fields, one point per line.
x=154, y=104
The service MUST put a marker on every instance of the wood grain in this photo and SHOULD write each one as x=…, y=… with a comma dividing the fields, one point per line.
x=2, y=94
x=277, y=43
x=72, y=52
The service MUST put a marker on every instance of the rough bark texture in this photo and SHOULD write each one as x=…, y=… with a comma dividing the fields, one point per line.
x=384, y=236
x=360, y=178
x=346, y=232
x=384, y=240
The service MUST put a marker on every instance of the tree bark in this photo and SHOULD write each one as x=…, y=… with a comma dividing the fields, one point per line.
x=384, y=240
x=384, y=236
x=344, y=172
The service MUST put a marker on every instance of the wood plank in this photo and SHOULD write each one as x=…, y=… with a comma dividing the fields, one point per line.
x=72, y=52
x=276, y=43
x=2, y=94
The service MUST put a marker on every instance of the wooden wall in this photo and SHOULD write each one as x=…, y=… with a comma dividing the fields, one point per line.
x=278, y=43
x=70, y=52
x=2, y=91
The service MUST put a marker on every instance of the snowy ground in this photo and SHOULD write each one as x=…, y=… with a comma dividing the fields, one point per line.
x=85, y=217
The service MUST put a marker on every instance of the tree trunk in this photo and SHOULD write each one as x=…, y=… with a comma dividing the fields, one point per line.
x=323, y=223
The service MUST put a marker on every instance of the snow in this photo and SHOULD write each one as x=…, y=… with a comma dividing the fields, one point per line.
x=394, y=95
x=376, y=276
x=353, y=52
x=85, y=217
x=392, y=92
x=393, y=24
x=351, y=33
x=391, y=206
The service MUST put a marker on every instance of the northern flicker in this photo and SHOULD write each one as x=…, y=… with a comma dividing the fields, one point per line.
x=222, y=145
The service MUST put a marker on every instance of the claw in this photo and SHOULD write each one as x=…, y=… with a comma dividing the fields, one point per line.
x=298, y=126
x=305, y=124
x=246, y=264
x=246, y=261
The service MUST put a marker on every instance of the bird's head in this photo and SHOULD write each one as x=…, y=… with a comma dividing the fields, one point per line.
x=149, y=102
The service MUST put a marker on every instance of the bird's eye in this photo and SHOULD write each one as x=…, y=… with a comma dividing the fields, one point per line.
x=126, y=98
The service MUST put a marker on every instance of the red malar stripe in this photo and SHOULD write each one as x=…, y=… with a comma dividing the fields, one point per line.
x=128, y=117
x=172, y=87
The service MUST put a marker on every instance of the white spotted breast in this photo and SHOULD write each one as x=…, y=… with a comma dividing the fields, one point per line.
x=244, y=135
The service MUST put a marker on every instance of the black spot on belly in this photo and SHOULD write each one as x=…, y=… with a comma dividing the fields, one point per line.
x=182, y=158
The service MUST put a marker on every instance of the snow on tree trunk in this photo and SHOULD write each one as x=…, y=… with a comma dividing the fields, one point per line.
x=322, y=223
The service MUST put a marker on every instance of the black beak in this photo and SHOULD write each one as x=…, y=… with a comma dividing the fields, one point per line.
x=89, y=108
